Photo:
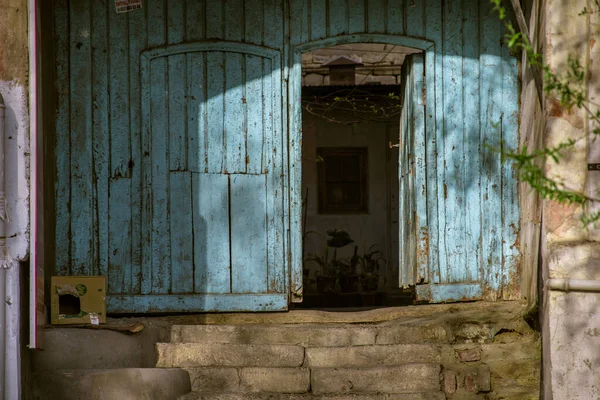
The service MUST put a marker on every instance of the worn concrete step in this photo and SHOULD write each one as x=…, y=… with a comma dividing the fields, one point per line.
x=250, y=379
x=407, y=378
x=72, y=348
x=111, y=384
x=228, y=355
x=278, y=396
x=377, y=355
x=313, y=334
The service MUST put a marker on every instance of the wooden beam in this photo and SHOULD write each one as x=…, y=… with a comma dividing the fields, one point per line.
x=524, y=29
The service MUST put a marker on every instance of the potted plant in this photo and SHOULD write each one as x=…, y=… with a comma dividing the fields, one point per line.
x=349, y=279
x=370, y=263
x=326, y=280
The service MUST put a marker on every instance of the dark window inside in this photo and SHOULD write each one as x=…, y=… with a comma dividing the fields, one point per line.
x=342, y=175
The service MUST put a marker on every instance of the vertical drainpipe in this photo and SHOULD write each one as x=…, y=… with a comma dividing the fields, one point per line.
x=3, y=270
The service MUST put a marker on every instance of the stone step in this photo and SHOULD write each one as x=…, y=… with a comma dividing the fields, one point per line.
x=313, y=334
x=278, y=396
x=73, y=348
x=250, y=379
x=111, y=384
x=407, y=378
x=377, y=355
x=188, y=355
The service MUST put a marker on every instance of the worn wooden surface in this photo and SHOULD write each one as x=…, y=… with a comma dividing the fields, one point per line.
x=133, y=155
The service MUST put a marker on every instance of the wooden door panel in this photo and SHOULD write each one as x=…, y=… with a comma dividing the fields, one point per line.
x=214, y=143
x=211, y=233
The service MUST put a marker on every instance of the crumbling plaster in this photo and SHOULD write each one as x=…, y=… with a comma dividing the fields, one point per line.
x=571, y=321
x=14, y=69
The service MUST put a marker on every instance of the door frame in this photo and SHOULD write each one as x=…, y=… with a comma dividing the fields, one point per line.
x=425, y=253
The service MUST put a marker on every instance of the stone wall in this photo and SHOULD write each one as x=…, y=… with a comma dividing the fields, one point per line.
x=381, y=63
x=571, y=320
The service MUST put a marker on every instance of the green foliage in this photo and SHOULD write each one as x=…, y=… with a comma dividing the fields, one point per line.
x=568, y=86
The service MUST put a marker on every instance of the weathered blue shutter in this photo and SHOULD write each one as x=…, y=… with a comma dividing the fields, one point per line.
x=213, y=185
x=411, y=156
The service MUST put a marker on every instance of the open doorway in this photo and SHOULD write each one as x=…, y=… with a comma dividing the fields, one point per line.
x=352, y=106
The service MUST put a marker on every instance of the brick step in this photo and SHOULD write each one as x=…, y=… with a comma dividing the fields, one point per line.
x=377, y=355
x=276, y=396
x=189, y=355
x=111, y=384
x=314, y=334
x=186, y=355
x=406, y=378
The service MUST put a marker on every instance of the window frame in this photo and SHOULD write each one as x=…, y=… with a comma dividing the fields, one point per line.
x=325, y=152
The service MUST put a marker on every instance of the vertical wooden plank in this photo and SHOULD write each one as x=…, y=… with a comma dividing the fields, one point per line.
x=212, y=267
x=214, y=111
x=256, y=114
x=318, y=19
x=268, y=117
x=299, y=21
x=62, y=187
x=273, y=24
x=234, y=20
x=195, y=14
x=159, y=113
x=235, y=114
x=376, y=16
x=275, y=187
x=82, y=221
x=156, y=36
x=178, y=140
x=395, y=17
x=337, y=17
x=254, y=13
x=356, y=16
x=196, y=113
x=119, y=257
x=453, y=144
x=420, y=168
x=176, y=88
x=120, y=156
x=435, y=120
x=295, y=178
x=248, y=234
x=415, y=18
x=137, y=42
x=182, y=238
x=215, y=25
x=406, y=277
x=100, y=127
x=471, y=130
x=490, y=93
x=120, y=151
x=286, y=116
x=510, y=200
x=234, y=129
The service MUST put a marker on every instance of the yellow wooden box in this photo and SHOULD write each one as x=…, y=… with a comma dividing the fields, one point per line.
x=77, y=300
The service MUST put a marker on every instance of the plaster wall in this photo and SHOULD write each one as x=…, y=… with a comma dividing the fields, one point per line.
x=14, y=191
x=372, y=228
x=571, y=321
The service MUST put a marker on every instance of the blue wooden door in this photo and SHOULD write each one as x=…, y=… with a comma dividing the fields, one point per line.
x=213, y=188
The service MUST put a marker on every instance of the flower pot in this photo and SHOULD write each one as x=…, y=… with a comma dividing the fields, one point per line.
x=370, y=283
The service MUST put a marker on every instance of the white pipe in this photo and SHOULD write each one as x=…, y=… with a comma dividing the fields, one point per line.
x=3, y=327
x=33, y=172
x=574, y=285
